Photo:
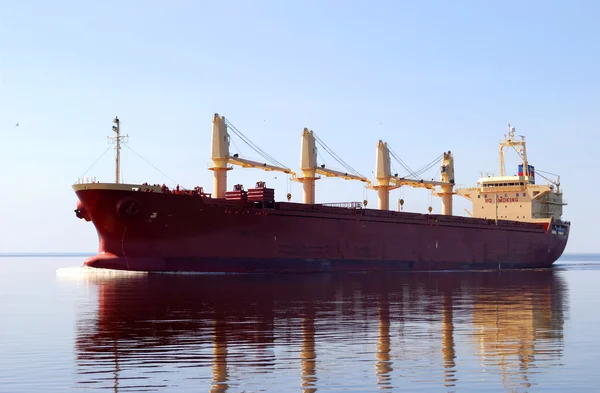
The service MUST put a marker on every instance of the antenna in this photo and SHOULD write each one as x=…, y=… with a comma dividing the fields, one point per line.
x=118, y=139
x=511, y=132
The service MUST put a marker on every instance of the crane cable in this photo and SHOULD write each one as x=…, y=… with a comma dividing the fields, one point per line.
x=430, y=165
x=419, y=171
x=253, y=146
x=402, y=163
x=346, y=166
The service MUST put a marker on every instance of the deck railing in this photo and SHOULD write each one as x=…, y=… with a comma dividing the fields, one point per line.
x=347, y=205
x=86, y=180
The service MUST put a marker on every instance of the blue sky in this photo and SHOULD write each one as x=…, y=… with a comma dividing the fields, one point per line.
x=425, y=76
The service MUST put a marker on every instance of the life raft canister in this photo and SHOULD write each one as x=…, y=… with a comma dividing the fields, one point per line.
x=128, y=208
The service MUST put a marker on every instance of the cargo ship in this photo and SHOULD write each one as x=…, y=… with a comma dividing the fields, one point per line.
x=514, y=223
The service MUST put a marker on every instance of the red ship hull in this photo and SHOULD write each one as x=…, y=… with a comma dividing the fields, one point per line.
x=149, y=231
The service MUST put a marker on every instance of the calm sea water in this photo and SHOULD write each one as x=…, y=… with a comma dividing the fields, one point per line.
x=66, y=328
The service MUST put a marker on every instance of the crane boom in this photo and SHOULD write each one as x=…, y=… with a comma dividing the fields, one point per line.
x=429, y=184
x=235, y=160
x=347, y=176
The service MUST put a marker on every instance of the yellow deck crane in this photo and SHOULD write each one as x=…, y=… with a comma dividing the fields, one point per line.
x=386, y=181
x=310, y=169
x=222, y=159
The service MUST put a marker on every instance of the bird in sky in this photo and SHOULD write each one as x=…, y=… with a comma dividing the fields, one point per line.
x=16, y=125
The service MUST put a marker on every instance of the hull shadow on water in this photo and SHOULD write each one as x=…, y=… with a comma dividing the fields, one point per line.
x=224, y=330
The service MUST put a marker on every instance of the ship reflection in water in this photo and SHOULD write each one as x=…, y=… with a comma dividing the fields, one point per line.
x=218, y=333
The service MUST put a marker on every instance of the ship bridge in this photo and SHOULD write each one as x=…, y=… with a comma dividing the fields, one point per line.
x=505, y=181
x=518, y=197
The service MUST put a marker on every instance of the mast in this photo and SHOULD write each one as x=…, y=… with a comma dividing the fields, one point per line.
x=502, y=154
x=118, y=139
x=524, y=156
x=118, y=149
x=519, y=147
